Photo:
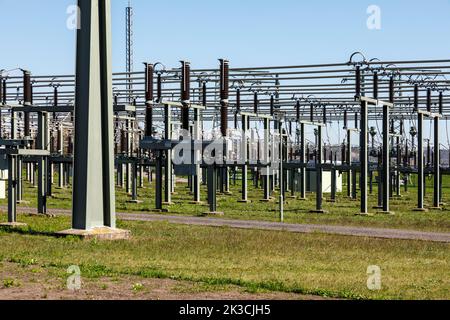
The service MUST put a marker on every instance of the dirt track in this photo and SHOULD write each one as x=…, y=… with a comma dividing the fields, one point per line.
x=35, y=283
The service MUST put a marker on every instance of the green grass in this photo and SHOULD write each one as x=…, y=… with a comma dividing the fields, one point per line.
x=325, y=265
x=340, y=213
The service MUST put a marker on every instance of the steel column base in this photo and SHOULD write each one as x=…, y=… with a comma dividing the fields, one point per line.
x=388, y=213
x=318, y=211
x=420, y=210
x=197, y=202
x=103, y=233
x=13, y=225
x=135, y=201
x=363, y=214
x=213, y=214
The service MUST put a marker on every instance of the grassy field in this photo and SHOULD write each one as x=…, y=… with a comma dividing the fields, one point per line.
x=219, y=262
x=255, y=261
x=340, y=213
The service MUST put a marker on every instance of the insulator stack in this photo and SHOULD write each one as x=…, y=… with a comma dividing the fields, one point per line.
x=224, y=95
x=1, y=90
x=27, y=100
x=149, y=96
x=185, y=94
x=55, y=96
x=358, y=81
x=159, y=88
x=416, y=97
x=345, y=120
x=255, y=102
x=391, y=90
x=272, y=105
x=375, y=85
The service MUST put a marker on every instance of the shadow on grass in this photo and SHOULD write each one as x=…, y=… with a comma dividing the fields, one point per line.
x=29, y=231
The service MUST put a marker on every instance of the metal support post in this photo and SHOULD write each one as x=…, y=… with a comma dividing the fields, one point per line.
x=244, y=152
x=364, y=159
x=386, y=159
x=420, y=164
x=93, y=177
x=168, y=174
x=303, y=162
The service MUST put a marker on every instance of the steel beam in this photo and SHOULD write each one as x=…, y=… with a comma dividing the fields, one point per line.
x=93, y=185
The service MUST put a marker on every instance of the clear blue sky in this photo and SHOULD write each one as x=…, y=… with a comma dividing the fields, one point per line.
x=248, y=32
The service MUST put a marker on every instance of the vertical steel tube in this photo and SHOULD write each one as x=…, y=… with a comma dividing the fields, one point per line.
x=12, y=201
x=303, y=161
x=437, y=163
x=319, y=170
x=349, y=164
x=420, y=162
x=364, y=158
x=386, y=159
x=244, y=151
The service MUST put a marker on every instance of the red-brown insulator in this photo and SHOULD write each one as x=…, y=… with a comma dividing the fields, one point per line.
x=391, y=90
x=272, y=105
x=149, y=71
x=204, y=95
x=358, y=81
x=185, y=81
x=345, y=120
x=1, y=90
x=27, y=87
x=185, y=94
x=55, y=96
x=159, y=88
x=375, y=85
x=255, y=102
x=224, y=79
x=416, y=97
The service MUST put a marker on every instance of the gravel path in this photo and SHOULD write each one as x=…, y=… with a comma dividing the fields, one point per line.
x=262, y=225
